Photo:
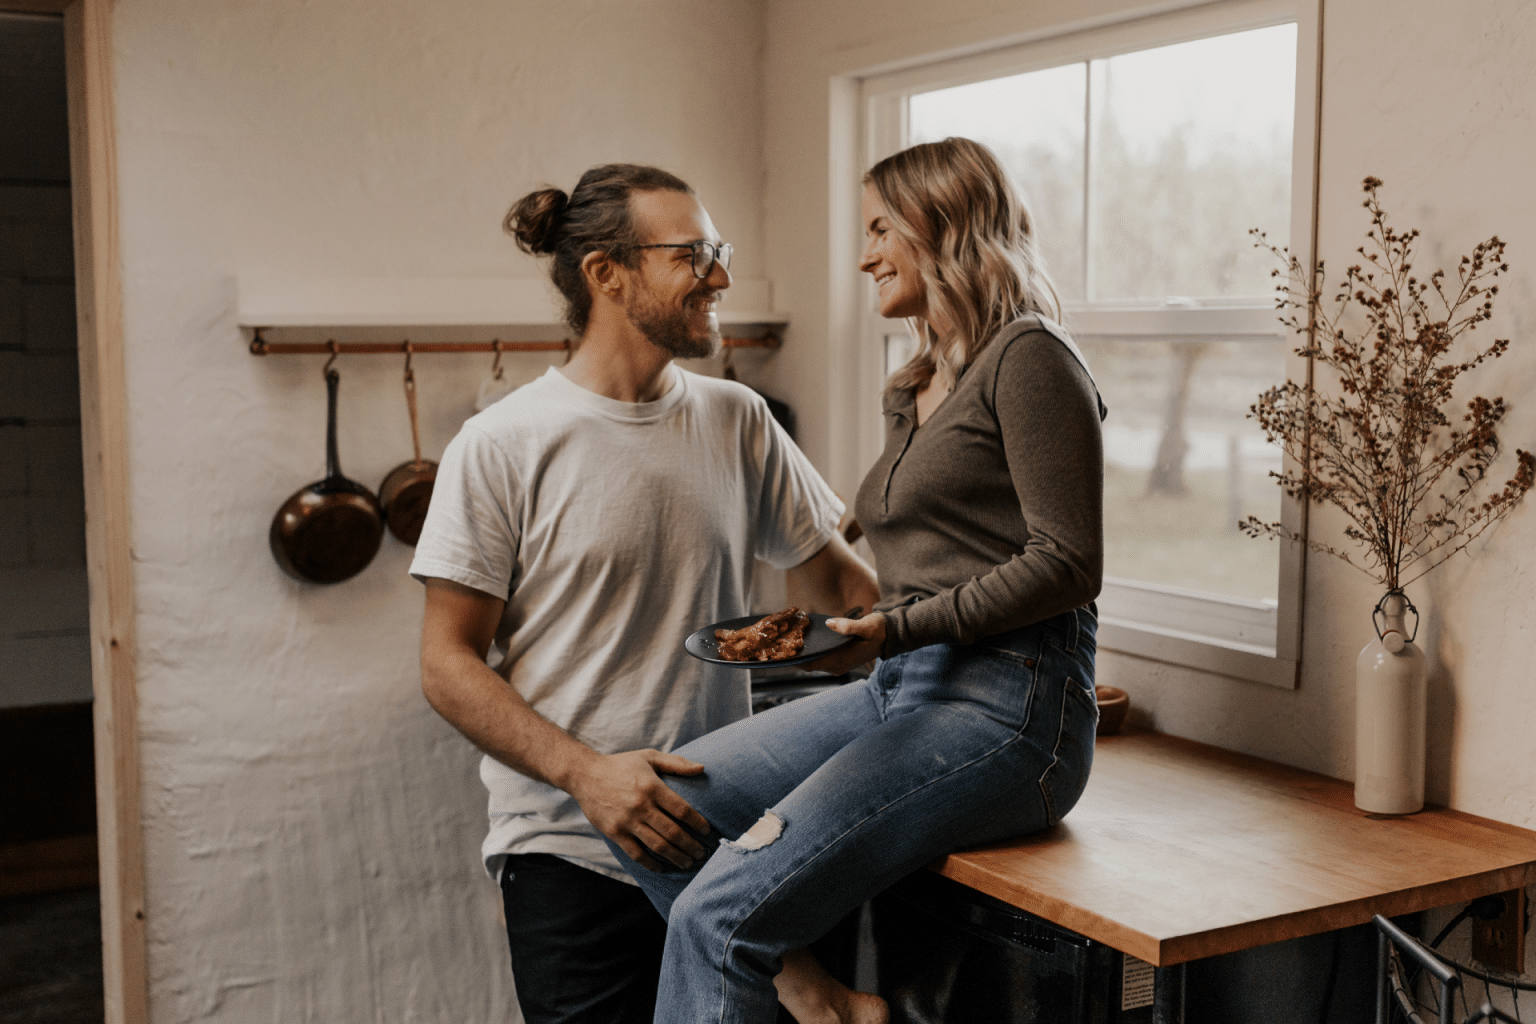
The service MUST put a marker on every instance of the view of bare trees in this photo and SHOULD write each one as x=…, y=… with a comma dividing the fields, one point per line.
x=1169, y=220
x=1188, y=537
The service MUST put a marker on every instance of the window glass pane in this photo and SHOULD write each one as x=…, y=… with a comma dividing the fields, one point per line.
x=899, y=350
x=1183, y=463
x=1191, y=147
x=1034, y=123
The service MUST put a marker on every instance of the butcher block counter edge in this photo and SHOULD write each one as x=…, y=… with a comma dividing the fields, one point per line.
x=1124, y=765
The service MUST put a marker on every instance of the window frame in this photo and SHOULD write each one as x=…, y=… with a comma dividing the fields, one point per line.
x=1175, y=626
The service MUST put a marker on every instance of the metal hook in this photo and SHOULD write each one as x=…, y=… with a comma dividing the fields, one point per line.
x=335, y=351
x=496, y=370
x=258, y=343
x=1381, y=612
x=410, y=386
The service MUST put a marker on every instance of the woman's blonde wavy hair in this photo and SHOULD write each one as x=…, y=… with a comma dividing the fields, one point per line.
x=974, y=243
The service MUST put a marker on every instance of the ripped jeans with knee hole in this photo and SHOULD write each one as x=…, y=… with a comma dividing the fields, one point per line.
x=819, y=804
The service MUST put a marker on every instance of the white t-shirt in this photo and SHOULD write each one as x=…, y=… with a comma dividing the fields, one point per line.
x=614, y=529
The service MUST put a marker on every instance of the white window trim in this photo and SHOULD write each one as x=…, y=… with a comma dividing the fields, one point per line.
x=1133, y=623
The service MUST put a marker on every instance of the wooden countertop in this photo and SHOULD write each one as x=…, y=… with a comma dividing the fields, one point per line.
x=1178, y=850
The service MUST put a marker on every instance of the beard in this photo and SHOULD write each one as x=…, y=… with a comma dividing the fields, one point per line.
x=671, y=328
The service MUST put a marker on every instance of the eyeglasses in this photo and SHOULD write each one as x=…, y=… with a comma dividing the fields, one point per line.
x=705, y=255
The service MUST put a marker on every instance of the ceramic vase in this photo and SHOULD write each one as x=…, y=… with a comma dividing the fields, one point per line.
x=1391, y=691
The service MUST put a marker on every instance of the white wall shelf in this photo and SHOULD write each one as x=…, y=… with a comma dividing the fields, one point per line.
x=527, y=304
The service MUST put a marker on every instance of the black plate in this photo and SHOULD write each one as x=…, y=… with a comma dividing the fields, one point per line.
x=819, y=642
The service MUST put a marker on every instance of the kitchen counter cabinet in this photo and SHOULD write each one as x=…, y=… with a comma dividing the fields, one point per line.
x=1179, y=851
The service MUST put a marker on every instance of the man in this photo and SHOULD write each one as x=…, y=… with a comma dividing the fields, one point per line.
x=585, y=525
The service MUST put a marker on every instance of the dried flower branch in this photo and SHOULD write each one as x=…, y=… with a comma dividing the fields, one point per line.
x=1383, y=450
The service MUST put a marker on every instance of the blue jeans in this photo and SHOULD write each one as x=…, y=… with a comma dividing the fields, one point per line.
x=846, y=792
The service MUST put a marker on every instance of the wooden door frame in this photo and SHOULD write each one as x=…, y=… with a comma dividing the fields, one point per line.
x=103, y=424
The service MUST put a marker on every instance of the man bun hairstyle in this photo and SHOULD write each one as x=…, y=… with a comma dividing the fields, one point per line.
x=595, y=217
x=533, y=218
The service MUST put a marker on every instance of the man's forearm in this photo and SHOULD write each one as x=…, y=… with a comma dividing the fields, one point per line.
x=498, y=720
x=834, y=581
x=857, y=588
x=621, y=794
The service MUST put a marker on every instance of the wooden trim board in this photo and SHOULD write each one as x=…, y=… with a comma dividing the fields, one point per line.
x=1179, y=851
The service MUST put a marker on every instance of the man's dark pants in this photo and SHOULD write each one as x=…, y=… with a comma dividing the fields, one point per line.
x=586, y=949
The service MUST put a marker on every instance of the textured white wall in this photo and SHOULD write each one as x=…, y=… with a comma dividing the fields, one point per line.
x=312, y=827
x=44, y=648
x=1433, y=98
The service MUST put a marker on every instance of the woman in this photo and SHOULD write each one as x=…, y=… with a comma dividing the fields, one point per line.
x=985, y=517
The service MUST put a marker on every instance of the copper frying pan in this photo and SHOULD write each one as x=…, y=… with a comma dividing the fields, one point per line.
x=329, y=531
x=407, y=490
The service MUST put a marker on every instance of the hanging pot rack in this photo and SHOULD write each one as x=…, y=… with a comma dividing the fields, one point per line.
x=262, y=347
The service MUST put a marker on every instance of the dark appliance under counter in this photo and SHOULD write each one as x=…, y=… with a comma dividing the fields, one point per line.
x=947, y=954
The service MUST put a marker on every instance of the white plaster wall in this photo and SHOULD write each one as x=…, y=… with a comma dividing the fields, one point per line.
x=1435, y=99
x=312, y=828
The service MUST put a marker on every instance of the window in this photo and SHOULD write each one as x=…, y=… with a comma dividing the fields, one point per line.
x=1148, y=151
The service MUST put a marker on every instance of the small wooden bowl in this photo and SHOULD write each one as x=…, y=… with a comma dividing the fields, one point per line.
x=1113, y=704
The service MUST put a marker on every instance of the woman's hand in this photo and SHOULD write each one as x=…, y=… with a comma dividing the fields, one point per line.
x=871, y=633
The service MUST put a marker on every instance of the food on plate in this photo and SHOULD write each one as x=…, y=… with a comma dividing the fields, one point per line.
x=780, y=635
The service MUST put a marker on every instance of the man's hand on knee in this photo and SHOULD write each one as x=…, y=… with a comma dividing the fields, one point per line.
x=623, y=795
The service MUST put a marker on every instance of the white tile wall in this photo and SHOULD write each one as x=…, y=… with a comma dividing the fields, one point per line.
x=44, y=647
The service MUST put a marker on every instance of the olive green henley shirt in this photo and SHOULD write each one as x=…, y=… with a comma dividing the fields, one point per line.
x=989, y=516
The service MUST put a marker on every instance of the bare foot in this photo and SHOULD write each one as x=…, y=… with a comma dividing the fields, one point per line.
x=812, y=996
